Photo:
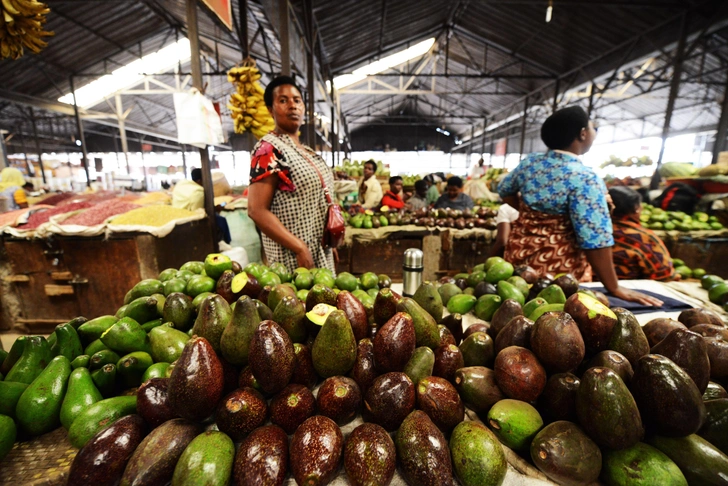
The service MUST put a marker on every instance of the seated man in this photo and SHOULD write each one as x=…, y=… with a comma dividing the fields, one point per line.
x=419, y=199
x=189, y=194
x=638, y=253
x=454, y=197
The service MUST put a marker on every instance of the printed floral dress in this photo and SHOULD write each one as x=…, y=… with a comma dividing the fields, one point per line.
x=299, y=202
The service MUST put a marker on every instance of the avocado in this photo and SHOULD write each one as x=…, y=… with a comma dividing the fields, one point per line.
x=627, y=337
x=477, y=457
x=81, y=393
x=557, y=343
x=16, y=351
x=339, y=398
x=277, y=294
x=564, y=453
x=35, y=357
x=429, y=299
x=213, y=317
x=103, y=357
x=271, y=357
x=694, y=317
x=595, y=320
x=126, y=336
x=426, y=332
x=316, y=449
x=174, y=285
x=439, y=399
x=553, y=294
x=103, y=459
x=715, y=428
x=558, y=400
x=105, y=379
x=461, y=303
x=477, y=387
x=516, y=333
x=81, y=361
x=519, y=374
x=369, y=455
x=712, y=392
x=502, y=316
x=657, y=329
x=67, y=342
x=448, y=291
x=607, y=411
x=319, y=294
x=208, y=460
x=615, y=362
x=389, y=399
x=355, y=312
x=236, y=338
x=154, y=460
x=532, y=305
x=262, y=457
x=454, y=324
x=478, y=350
x=423, y=452
x=543, y=309
x=143, y=309
x=196, y=383
x=153, y=402
x=157, y=370
x=39, y=407
x=640, y=465
x=8, y=434
x=385, y=306
x=699, y=460
x=498, y=272
x=334, y=350
x=199, y=284
x=475, y=278
x=291, y=407
x=507, y=290
x=364, y=372
x=167, y=343
x=131, y=367
x=515, y=423
x=688, y=350
x=394, y=343
x=303, y=371
x=95, y=347
x=290, y=314
x=448, y=359
x=145, y=288
x=10, y=393
x=98, y=417
x=486, y=306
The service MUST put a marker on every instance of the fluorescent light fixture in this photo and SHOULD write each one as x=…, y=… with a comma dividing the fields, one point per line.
x=383, y=64
x=131, y=74
x=444, y=132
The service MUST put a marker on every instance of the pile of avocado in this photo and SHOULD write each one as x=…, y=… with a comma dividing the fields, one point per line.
x=659, y=219
x=214, y=373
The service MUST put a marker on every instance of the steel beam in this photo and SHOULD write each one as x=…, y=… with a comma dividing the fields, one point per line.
x=523, y=127
x=81, y=135
x=722, y=132
x=197, y=82
x=37, y=145
x=284, y=37
x=310, y=76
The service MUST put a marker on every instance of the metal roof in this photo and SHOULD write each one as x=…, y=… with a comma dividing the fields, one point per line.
x=496, y=53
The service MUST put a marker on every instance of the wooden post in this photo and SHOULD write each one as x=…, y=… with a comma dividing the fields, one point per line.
x=81, y=136
x=37, y=145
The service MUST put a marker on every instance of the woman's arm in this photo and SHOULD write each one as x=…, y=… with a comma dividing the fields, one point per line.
x=512, y=201
x=601, y=261
x=260, y=196
x=501, y=238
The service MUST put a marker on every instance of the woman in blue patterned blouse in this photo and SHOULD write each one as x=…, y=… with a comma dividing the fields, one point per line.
x=564, y=224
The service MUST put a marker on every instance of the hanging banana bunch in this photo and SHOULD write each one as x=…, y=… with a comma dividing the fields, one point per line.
x=247, y=108
x=21, y=26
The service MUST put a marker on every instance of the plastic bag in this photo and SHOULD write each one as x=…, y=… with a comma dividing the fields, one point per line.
x=198, y=123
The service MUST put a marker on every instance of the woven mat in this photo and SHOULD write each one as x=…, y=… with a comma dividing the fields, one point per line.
x=43, y=461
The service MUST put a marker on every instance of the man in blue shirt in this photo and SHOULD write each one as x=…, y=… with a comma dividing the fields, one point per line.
x=454, y=197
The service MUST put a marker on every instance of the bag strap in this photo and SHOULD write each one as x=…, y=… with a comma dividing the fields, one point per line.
x=318, y=172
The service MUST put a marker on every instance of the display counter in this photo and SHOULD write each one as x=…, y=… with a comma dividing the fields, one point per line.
x=47, y=281
x=699, y=249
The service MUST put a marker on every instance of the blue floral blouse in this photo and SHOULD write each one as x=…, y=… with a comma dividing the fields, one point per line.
x=558, y=183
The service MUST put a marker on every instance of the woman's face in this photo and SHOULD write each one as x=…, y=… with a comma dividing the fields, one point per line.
x=397, y=187
x=368, y=171
x=588, y=135
x=287, y=109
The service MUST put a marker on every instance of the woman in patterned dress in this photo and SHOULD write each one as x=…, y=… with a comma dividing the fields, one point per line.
x=286, y=198
x=564, y=224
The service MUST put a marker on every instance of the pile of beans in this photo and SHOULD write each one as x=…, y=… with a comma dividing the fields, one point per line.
x=152, y=216
x=100, y=213
x=39, y=217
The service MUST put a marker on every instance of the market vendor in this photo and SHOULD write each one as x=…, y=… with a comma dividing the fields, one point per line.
x=288, y=180
x=189, y=194
x=478, y=169
x=564, y=224
x=393, y=197
x=433, y=193
x=638, y=252
x=419, y=198
x=454, y=198
x=13, y=187
x=370, y=190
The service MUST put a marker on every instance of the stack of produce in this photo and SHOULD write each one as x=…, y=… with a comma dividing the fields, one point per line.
x=355, y=169
x=21, y=25
x=99, y=213
x=677, y=170
x=247, y=107
x=152, y=198
x=628, y=162
x=44, y=215
x=552, y=371
x=482, y=217
x=55, y=199
x=151, y=216
x=659, y=219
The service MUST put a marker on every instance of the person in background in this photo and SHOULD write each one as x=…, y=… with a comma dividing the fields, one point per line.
x=454, y=197
x=505, y=217
x=564, y=224
x=478, y=169
x=419, y=199
x=189, y=194
x=433, y=193
x=392, y=198
x=370, y=190
x=286, y=198
x=638, y=252
x=13, y=187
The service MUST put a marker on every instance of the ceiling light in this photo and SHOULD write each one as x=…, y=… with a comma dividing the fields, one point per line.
x=131, y=74
x=549, y=11
x=383, y=64
x=78, y=142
